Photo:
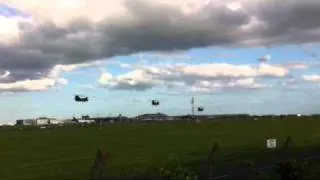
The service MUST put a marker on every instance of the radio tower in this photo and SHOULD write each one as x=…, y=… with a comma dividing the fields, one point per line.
x=192, y=106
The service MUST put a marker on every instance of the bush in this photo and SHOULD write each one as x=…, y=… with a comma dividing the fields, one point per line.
x=177, y=173
x=292, y=170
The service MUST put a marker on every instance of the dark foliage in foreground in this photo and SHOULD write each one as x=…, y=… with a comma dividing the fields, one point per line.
x=292, y=170
x=177, y=173
x=287, y=168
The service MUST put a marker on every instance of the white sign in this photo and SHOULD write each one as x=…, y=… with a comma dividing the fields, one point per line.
x=271, y=143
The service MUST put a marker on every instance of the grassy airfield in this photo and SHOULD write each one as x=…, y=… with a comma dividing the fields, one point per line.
x=140, y=149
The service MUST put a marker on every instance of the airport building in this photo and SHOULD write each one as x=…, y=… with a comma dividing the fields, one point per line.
x=153, y=117
x=41, y=121
x=26, y=122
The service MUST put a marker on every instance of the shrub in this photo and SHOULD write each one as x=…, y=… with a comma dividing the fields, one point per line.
x=292, y=170
x=177, y=173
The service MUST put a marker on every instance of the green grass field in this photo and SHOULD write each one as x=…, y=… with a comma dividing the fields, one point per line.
x=68, y=152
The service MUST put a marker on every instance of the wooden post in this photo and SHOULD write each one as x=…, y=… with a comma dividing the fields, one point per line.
x=99, y=165
x=212, y=160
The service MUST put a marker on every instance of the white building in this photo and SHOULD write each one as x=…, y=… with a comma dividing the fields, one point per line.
x=153, y=117
x=42, y=121
x=85, y=121
x=47, y=121
x=68, y=121
x=55, y=121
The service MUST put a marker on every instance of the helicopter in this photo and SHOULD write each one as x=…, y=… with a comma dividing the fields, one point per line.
x=200, y=109
x=81, y=98
x=155, y=102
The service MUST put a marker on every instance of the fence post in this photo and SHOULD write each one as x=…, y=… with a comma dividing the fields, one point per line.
x=99, y=165
x=212, y=160
x=288, y=168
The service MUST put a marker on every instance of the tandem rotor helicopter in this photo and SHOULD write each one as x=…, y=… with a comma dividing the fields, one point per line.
x=81, y=98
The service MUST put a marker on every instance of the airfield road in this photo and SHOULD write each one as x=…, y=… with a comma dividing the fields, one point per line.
x=139, y=149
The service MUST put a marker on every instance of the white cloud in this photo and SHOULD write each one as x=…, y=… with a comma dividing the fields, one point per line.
x=87, y=87
x=216, y=70
x=216, y=86
x=125, y=65
x=5, y=75
x=203, y=77
x=234, y=6
x=62, y=81
x=10, y=29
x=135, y=80
x=272, y=71
x=52, y=80
x=312, y=78
x=249, y=83
x=105, y=79
x=296, y=66
x=59, y=68
x=32, y=85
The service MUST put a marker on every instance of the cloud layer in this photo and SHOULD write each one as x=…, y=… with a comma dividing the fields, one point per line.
x=202, y=77
x=66, y=32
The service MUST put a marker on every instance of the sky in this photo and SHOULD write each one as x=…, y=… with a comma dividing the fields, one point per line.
x=245, y=56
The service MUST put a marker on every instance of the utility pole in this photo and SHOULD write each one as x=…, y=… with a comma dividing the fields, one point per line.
x=100, y=123
x=98, y=119
x=192, y=107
